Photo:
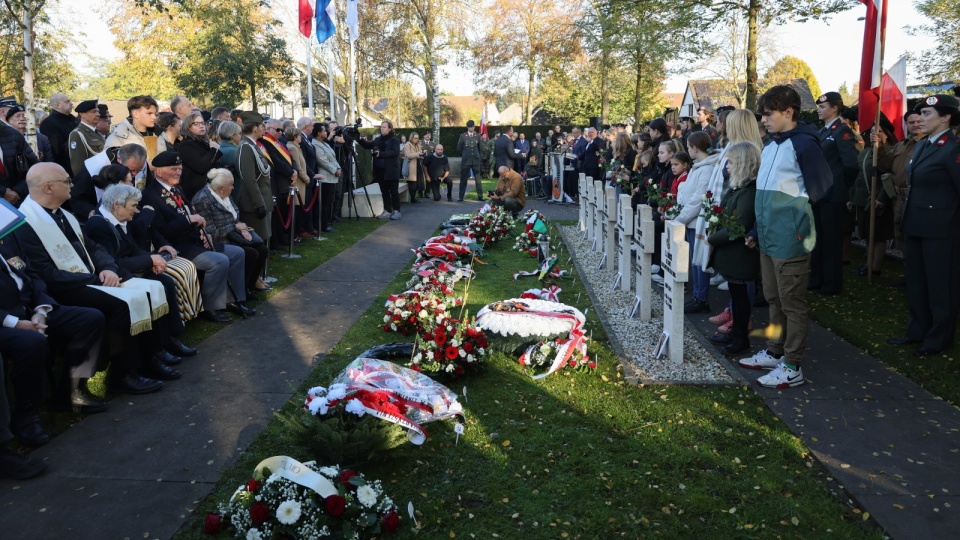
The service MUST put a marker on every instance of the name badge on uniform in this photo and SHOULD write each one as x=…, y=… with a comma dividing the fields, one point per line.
x=830, y=138
x=16, y=262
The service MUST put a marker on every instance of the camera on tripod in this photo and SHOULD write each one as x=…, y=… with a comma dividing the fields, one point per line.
x=349, y=133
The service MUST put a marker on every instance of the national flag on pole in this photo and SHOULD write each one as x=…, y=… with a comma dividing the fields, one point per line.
x=326, y=15
x=483, y=119
x=893, y=104
x=353, y=22
x=871, y=68
x=306, y=18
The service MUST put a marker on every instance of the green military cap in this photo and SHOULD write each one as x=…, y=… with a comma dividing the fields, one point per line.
x=86, y=106
x=830, y=96
x=939, y=100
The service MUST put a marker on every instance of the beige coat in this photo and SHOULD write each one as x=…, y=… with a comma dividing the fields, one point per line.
x=302, y=179
x=412, y=153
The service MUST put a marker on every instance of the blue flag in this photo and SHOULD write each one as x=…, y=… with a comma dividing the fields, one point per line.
x=326, y=14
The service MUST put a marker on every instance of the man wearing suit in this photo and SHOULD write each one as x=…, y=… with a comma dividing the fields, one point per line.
x=16, y=157
x=504, y=152
x=182, y=229
x=931, y=229
x=579, y=147
x=49, y=188
x=33, y=323
x=522, y=146
x=305, y=125
x=283, y=173
x=112, y=228
x=471, y=148
x=838, y=144
x=84, y=142
x=57, y=128
x=83, y=195
x=589, y=156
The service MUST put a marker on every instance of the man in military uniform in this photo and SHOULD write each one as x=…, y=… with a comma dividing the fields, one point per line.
x=85, y=142
x=106, y=121
x=892, y=165
x=6, y=103
x=427, y=143
x=931, y=229
x=706, y=118
x=471, y=148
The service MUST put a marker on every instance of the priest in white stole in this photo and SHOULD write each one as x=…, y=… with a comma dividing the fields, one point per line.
x=80, y=273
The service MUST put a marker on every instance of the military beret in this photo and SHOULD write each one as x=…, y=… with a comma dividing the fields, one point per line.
x=205, y=115
x=8, y=101
x=86, y=106
x=104, y=110
x=167, y=158
x=829, y=96
x=250, y=117
x=14, y=109
x=939, y=100
x=725, y=108
x=470, y=123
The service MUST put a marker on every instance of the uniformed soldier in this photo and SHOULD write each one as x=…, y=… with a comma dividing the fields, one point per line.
x=894, y=160
x=838, y=144
x=471, y=148
x=706, y=118
x=931, y=229
x=85, y=142
x=427, y=144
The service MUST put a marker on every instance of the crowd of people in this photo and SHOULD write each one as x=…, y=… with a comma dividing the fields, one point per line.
x=133, y=230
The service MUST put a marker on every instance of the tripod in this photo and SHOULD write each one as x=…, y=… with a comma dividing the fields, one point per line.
x=353, y=170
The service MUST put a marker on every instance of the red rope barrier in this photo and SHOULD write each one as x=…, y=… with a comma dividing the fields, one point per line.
x=286, y=224
x=316, y=195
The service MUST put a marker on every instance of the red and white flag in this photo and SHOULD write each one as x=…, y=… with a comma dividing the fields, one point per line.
x=893, y=102
x=306, y=18
x=871, y=68
x=483, y=120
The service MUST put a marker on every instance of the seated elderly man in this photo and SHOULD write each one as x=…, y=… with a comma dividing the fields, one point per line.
x=111, y=227
x=510, y=192
x=79, y=272
x=85, y=196
x=34, y=324
x=183, y=229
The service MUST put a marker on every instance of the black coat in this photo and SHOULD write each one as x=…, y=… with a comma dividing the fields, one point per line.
x=309, y=156
x=20, y=302
x=932, y=206
x=122, y=246
x=83, y=196
x=17, y=158
x=170, y=221
x=198, y=158
x=838, y=143
x=389, y=157
x=57, y=128
x=731, y=257
x=37, y=258
x=504, y=152
x=281, y=170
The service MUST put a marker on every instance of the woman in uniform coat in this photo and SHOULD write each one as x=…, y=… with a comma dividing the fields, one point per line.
x=931, y=229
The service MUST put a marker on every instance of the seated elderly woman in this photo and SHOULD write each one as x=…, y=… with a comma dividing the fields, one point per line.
x=224, y=225
x=112, y=226
x=181, y=227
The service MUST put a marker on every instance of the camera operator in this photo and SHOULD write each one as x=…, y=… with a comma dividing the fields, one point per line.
x=386, y=168
x=342, y=149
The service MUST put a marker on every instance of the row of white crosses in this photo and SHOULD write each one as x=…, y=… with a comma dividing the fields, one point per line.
x=614, y=229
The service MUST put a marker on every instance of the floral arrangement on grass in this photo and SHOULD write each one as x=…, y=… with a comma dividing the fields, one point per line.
x=717, y=219
x=540, y=357
x=450, y=348
x=410, y=312
x=287, y=504
x=526, y=243
x=491, y=224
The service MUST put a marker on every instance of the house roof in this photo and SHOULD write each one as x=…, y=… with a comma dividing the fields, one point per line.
x=714, y=93
x=674, y=100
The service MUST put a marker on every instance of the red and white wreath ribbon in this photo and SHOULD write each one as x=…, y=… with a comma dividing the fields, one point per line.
x=551, y=293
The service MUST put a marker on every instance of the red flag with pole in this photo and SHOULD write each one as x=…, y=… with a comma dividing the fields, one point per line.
x=871, y=62
x=306, y=18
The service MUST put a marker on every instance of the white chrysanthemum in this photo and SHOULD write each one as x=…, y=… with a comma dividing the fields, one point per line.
x=423, y=314
x=401, y=302
x=316, y=404
x=386, y=318
x=450, y=368
x=354, y=406
x=367, y=496
x=288, y=512
x=337, y=391
x=317, y=391
x=329, y=472
x=254, y=534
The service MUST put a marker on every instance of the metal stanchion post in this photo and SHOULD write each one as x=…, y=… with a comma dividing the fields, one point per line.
x=320, y=237
x=267, y=278
x=293, y=219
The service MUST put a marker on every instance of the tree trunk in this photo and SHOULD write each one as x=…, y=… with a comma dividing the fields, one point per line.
x=28, y=74
x=638, y=88
x=429, y=74
x=530, y=83
x=605, y=85
x=253, y=93
x=753, y=13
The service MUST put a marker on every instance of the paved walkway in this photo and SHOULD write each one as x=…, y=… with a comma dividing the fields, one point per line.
x=888, y=442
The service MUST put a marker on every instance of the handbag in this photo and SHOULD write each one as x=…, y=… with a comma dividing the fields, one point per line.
x=405, y=169
x=237, y=239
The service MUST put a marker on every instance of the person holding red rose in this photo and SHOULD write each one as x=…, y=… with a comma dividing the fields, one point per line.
x=736, y=262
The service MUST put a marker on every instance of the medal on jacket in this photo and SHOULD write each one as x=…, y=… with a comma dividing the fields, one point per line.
x=942, y=140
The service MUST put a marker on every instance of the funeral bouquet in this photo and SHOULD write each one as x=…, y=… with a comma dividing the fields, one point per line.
x=527, y=243
x=450, y=347
x=411, y=311
x=717, y=219
x=541, y=357
x=490, y=224
x=289, y=499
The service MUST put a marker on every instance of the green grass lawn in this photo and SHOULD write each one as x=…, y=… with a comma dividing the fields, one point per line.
x=581, y=455
x=865, y=315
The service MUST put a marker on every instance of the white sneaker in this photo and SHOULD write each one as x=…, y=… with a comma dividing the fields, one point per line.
x=717, y=279
x=395, y=215
x=657, y=279
x=762, y=360
x=723, y=286
x=782, y=377
x=384, y=215
x=654, y=268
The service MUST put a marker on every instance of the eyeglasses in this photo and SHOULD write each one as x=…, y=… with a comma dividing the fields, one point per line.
x=68, y=181
x=196, y=123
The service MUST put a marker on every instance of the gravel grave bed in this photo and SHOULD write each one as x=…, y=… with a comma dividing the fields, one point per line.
x=636, y=338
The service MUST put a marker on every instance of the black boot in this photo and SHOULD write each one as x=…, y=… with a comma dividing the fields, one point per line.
x=738, y=344
x=176, y=347
x=26, y=426
x=81, y=400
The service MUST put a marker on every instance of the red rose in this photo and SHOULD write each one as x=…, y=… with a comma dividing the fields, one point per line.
x=452, y=352
x=592, y=365
x=258, y=513
x=709, y=194
x=467, y=347
x=415, y=367
x=253, y=485
x=391, y=522
x=717, y=209
x=573, y=363
x=212, y=524
x=345, y=476
x=335, y=505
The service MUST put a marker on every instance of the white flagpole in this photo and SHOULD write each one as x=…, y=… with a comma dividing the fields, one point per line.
x=353, y=85
x=309, y=81
x=333, y=96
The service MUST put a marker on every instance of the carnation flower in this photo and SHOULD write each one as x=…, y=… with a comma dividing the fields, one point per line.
x=318, y=406
x=254, y=534
x=335, y=505
x=354, y=406
x=288, y=512
x=367, y=496
x=337, y=391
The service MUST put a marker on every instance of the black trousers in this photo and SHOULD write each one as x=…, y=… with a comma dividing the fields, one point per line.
x=933, y=289
x=328, y=199
x=26, y=353
x=465, y=177
x=389, y=190
x=826, y=261
x=435, y=187
x=742, y=307
x=171, y=323
x=123, y=350
x=254, y=259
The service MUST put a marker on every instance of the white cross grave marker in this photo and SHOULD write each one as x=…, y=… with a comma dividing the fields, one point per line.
x=624, y=243
x=644, y=237
x=609, y=227
x=676, y=267
x=582, y=183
